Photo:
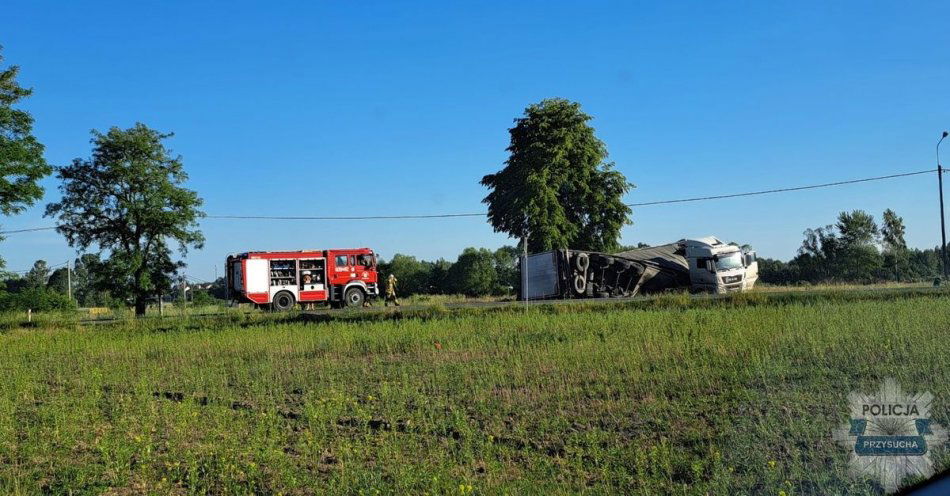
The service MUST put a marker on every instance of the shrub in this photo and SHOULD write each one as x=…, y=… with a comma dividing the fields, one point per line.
x=37, y=299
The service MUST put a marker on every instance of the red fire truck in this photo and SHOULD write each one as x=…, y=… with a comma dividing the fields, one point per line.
x=281, y=279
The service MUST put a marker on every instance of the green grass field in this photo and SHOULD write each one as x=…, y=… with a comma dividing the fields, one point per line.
x=670, y=395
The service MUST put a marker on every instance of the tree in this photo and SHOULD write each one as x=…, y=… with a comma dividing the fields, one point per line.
x=58, y=281
x=37, y=276
x=507, y=259
x=896, y=264
x=857, y=228
x=219, y=289
x=473, y=274
x=773, y=271
x=89, y=287
x=21, y=155
x=412, y=274
x=439, y=276
x=846, y=251
x=127, y=199
x=892, y=232
x=818, y=254
x=555, y=185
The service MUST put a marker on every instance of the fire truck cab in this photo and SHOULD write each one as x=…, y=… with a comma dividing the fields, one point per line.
x=281, y=279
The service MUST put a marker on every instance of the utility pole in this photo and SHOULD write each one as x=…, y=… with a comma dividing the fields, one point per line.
x=524, y=266
x=69, y=280
x=943, y=230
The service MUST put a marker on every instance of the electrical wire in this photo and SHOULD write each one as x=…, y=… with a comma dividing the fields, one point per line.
x=48, y=268
x=482, y=214
x=781, y=190
x=28, y=230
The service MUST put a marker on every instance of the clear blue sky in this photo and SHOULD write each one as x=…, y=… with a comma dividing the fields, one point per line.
x=349, y=108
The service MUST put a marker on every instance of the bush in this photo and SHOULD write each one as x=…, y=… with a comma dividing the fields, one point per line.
x=37, y=299
x=202, y=297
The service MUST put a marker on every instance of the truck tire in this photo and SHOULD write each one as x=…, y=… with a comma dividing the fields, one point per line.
x=580, y=284
x=354, y=297
x=283, y=301
x=582, y=262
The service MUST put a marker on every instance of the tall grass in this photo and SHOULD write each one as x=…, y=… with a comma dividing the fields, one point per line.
x=668, y=396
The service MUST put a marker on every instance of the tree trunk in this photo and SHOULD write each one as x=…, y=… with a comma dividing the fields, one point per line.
x=140, y=304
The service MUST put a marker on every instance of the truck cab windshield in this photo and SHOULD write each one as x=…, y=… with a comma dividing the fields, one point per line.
x=729, y=262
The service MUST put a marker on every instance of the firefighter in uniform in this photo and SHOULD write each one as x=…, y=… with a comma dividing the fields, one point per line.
x=391, y=290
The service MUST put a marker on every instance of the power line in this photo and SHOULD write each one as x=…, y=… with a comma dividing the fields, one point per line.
x=482, y=214
x=781, y=190
x=48, y=268
x=356, y=217
x=28, y=230
x=641, y=204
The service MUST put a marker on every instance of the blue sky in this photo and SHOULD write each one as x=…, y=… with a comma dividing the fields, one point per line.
x=366, y=108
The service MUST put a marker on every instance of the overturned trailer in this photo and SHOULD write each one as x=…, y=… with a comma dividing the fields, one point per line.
x=700, y=265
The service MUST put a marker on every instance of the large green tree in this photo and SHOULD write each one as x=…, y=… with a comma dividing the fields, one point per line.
x=128, y=200
x=857, y=228
x=896, y=255
x=21, y=155
x=508, y=269
x=412, y=274
x=556, y=186
x=37, y=276
x=473, y=274
x=892, y=232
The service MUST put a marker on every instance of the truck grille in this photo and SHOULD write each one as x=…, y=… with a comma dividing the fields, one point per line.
x=731, y=279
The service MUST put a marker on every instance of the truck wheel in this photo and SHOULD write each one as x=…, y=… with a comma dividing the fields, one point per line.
x=283, y=301
x=580, y=284
x=582, y=262
x=354, y=297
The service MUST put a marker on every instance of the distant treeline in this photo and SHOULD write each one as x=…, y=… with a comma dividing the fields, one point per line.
x=855, y=250
x=476, y=272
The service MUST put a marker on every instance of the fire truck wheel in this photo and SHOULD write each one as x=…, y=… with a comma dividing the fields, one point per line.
x=354, y=297
x=283, y=301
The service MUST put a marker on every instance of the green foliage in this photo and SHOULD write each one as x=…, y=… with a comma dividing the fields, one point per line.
x=203, y=297
x=857, y=228
x=556, y=185
x=854, y=250
x=412, y=274
x=37, y=276
x=37, y=299
x=439, y=276
x=477, y=272
x=58, y=281
x=219, y=289
x=128, y=200
x=507, y=259
x=89, y=283
x=21, y=156
x=473, y=274
x=892, y=232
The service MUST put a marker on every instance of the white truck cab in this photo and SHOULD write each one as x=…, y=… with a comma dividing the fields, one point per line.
x=718, y=267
